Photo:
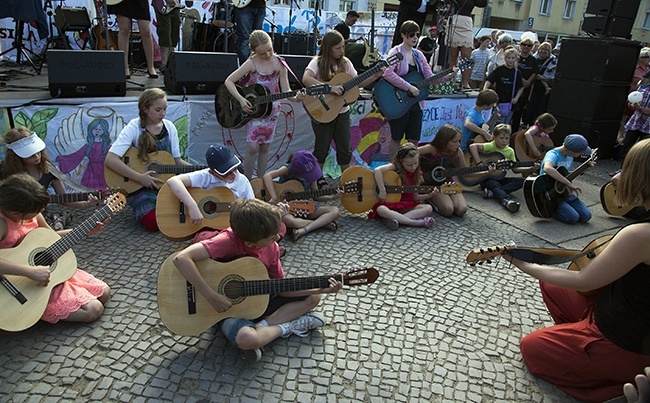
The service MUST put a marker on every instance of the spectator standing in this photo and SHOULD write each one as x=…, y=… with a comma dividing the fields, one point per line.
x=480, y=58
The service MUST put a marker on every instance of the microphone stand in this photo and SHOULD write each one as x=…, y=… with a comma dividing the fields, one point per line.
x=272, y=24
x=288, y=52
x=226, y=29
x=317, y=13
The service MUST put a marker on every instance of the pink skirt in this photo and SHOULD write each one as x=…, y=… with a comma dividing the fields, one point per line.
x=71, y=295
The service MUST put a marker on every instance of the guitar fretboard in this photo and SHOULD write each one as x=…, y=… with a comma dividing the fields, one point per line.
x=311, y=194
x=265, y=99
x=177, y=169
x=409, y=189
x=74, y=197
x=274, y=286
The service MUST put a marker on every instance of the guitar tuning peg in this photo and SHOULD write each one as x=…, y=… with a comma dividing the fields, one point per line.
x=489, y=250
x=498, y=249
x=482, y=250
x=489, y=261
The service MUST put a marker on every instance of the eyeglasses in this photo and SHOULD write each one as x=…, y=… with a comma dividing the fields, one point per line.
x=528, y=45
x=412, y=34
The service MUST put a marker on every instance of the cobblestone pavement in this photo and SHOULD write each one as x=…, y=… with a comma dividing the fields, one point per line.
x=431, y=328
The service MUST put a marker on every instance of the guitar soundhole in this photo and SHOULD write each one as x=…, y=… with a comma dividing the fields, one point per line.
x=154, y=166
x=42, y=257
x=232, y=286
x=209, y=207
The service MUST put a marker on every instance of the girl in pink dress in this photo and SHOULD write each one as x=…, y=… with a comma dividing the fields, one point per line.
x=82, y=297
x=263, y=67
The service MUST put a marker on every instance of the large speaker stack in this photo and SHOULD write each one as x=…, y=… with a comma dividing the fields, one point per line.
x=198, y=72
x=611, y=18
x=590, y=89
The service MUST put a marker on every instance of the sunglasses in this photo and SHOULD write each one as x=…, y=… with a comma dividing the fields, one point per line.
x=528, y=45
x=412, y=34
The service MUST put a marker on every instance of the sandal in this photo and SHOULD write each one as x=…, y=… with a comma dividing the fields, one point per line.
x=392, y=223
x=333, y=226
x=426, y=222
x=294, y=233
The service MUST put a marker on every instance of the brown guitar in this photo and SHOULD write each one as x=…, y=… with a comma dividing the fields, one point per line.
x=366, y=197
x=161, y=162
x=579, y=259
x=293, y=190
x=24, y=300
x=244, y=281
x=99, y=31
x=524, y=152
x=174, y=220
x=608, y=201
x=325, y=108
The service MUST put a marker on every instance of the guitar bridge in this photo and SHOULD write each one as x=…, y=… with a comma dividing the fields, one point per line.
x=323, y=103
x=360, y=189
x=191, y=298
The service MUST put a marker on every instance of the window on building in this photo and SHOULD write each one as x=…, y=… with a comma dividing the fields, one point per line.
x=545, y=7
x=646, y=20
x=347, y=5
x=569, y=9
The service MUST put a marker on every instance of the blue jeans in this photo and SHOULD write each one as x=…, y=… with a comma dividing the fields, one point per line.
x=248, y=19
x=502, y=187
x=572, y=210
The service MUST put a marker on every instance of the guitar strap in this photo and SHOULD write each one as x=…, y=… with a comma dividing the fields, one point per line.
x=59, y=175
x=535, y=256
x=285, y=64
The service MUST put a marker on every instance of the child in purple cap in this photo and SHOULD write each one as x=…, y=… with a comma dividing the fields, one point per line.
x=571, y=210
x=303, y=166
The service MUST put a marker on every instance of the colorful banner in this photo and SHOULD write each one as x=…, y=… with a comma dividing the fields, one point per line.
x=77, y=137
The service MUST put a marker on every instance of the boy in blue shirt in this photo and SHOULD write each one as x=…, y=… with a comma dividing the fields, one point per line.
x=474, y=118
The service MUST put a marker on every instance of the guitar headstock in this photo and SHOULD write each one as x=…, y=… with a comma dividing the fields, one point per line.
x=451, y=188
x=352, y=187
x=503, y=165
x=464, y=64
x=361, y=276
x=486, y=255
x=394, y=59
x=301, y=208
x=318, y=89
x=116, y=202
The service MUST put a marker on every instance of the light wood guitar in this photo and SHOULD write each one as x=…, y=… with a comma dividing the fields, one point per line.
x=244, y=281
x=579, y=259
x=161, y=162
x=608, y=201
x=24, y=300
x=524, y=152
x=293, y=190
x=325, y=108
x=173, y=217
x=367, y=196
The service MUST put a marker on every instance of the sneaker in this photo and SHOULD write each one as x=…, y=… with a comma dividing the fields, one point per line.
x=510, y=205
x=251, y=355
x=301, y=326
x=392, y=223
x=487, y=193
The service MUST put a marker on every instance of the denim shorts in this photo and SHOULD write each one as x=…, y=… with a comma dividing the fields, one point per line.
x=230, y=327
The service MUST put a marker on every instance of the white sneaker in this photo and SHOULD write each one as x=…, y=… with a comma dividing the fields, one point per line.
x=252, y=355
x=301, y=326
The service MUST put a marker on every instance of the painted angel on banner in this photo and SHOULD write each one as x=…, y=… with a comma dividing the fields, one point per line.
x=82, y=154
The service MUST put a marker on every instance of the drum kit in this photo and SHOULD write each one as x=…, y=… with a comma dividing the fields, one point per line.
x=217, y=35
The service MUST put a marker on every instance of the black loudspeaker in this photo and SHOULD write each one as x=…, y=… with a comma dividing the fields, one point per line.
x=136, y=51
x=198, y=72
x=608, y=25
x=616, y=8
x=80, y=73
x=294, y=44
x=71, y=18
x=601, y=134
x=588, y=99
x=598, y=59
x=298, y=65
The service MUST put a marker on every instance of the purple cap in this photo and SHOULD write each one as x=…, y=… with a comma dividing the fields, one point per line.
x=304, y=164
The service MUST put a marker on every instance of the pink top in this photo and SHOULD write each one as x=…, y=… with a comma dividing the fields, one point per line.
x=16, y=231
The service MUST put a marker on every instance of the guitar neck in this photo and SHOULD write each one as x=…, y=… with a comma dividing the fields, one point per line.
x=58, y=248
x=310, y=194
x=265, y=99
x=362, y=77
x=409, y=189
x=177, y=169
x=579, y=170
x=74, y=197
x=427, y=81
x=274, y=286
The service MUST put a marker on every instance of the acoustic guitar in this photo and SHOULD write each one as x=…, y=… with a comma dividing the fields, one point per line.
x=293, y=190
x=165, y=7
x=437, y=171
x=174, y=219
x=325, y=108
x=161, y=162
x=579, y=259
x=524, y=152
x=244, y=281
x=543, y=194
x=81, y=196
x=608, y=201
x=230, y=113
x=24, y=300
x=98, y=32
x=366, y=196
x=393, y=102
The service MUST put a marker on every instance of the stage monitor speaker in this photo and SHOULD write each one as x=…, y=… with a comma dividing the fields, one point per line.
x=598, y=59
x=294, y=44
x=81, y=73
x=601, y=134
x=136, y=51
x=298, y=64
x=608, y=25
x=71, y=18
x=588, y=100
x=198, y=72
x=615, y=8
